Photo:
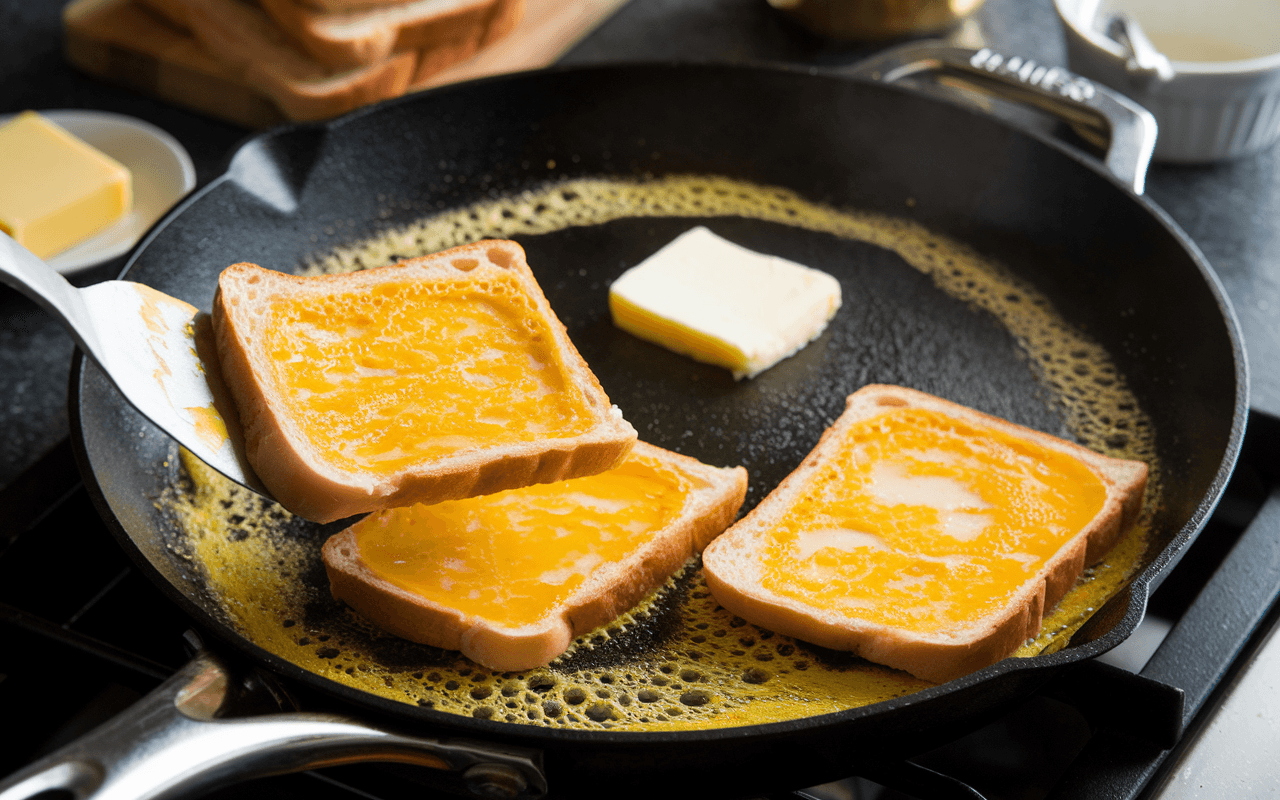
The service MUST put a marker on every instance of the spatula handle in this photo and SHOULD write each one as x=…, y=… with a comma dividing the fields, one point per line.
x=26, y=272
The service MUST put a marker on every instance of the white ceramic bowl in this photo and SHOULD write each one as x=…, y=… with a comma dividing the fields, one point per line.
x=1222, y=98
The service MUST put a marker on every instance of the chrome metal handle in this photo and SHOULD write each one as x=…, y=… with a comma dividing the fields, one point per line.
x=1127, y=129
x=28, y=273
x=173, y=743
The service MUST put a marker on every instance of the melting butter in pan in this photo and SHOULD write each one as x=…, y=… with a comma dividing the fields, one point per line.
x=677, y=660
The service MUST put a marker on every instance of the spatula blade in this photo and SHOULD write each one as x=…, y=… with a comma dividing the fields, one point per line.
x=159, y=352
x=156, y=349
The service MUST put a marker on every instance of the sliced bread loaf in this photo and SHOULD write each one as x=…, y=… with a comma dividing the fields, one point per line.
x=433, y=379
x=351, y=5
x=261, y=55
x=924, y=535
x=510, y=579
x=370, y=35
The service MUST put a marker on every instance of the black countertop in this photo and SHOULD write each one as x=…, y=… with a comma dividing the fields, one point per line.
x=1231, y=210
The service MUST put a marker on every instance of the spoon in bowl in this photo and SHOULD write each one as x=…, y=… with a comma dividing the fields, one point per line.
x=1143, y=57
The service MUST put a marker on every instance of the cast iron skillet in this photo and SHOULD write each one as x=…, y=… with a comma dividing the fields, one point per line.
x=1114, y=265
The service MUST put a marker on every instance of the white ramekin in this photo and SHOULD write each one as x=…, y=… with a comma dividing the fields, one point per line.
x=1206, y=111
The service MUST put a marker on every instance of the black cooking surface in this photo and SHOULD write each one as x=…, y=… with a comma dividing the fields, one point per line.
x=108, y=635
x=85, y=635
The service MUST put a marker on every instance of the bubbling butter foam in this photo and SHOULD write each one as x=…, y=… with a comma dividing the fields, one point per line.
x=1099, y=408
x=677, y=660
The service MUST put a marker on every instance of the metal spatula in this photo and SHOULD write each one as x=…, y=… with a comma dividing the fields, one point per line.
x=156, y=349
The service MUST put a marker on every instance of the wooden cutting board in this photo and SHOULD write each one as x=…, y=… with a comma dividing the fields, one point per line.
x=124, y=43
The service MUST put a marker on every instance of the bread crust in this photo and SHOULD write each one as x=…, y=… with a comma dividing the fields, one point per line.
x=261, y=56
x=612, y=589
x=365, y=36
x=731, y=569
x=307, y=485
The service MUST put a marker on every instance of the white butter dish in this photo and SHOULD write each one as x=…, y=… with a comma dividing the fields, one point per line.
x=1215, y=94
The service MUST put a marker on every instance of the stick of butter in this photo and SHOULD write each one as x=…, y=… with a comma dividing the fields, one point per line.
x=720, y=303
x=56, y=190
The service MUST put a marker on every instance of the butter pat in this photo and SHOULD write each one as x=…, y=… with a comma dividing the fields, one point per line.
x=56, y=190
x=720, y=303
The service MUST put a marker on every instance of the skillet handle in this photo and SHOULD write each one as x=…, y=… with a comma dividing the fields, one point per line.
x=173, y=743
x=1126, y=129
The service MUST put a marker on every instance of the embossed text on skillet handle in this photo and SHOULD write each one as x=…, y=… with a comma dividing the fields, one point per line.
x=1096, y=111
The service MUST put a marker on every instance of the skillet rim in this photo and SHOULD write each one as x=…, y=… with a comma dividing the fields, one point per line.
x=1040, y=667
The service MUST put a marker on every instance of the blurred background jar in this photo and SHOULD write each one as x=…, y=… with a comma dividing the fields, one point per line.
x=876, y=20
